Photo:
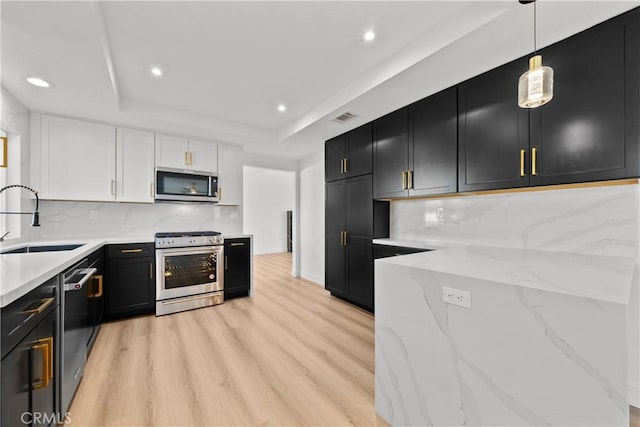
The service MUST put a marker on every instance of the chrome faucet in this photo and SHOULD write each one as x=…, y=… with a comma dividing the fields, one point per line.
x=35, y=222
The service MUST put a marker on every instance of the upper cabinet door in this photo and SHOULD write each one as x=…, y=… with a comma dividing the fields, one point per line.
x=335, y=151
x=390, y=154
x=172, y=152
x=203, y=156
x=77, y=160
x=359, y=156
x=585, y=132
x=229, y=176
x=434, y=144
x=135, y=166
x=493, y=132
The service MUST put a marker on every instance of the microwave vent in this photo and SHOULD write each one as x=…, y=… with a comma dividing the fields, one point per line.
x=344, y=117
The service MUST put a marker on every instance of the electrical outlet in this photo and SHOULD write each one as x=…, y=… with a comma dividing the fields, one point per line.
x=440, y=214
x=93, y=214
x=456, y=297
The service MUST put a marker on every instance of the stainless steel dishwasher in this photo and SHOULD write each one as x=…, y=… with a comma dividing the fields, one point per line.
x=77, y=328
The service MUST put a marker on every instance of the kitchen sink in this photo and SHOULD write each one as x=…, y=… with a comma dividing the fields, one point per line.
x=41, y=248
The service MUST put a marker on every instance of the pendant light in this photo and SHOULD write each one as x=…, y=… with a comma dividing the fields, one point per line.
x=535, y=87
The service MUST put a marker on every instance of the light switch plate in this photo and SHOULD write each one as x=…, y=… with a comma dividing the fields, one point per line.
x=440, y=214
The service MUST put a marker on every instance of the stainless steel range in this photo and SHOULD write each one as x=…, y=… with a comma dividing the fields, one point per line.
x=189, y=267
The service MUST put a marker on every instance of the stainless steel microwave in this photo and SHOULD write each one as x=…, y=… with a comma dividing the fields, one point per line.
x=186, y=185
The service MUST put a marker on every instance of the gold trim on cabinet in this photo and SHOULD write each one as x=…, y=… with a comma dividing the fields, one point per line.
x=131, y=251
x=522, y=155
x=534, y=161
x=5, y=152
x=45, y=302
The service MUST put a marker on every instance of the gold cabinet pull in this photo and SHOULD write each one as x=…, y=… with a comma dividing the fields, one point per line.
x=186, y=158
x=341, y=165
x=131, y=251
x=44, y=303
x=99, y=293
x=346, y=234
x=346, y=165
x=46, y=345
x=409, y=180
x=342, y=238
x=225, y=262
x=237, y=244
x=404, y=180
x=534, y=161
x=522, y=154
x=190, y=158
x=150, y=270
x=5, y=152
x=219, y=193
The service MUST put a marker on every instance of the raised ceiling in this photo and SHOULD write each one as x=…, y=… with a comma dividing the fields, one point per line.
x=228, y=65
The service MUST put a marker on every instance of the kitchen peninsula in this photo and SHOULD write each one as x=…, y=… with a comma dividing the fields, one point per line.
x=543, y=342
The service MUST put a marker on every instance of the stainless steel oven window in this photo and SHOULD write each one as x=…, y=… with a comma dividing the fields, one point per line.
x=188, y=271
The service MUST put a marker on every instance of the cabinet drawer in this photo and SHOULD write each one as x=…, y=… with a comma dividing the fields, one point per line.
x=130, y=250
x=21, y=316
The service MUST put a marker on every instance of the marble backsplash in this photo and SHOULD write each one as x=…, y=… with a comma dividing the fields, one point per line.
x=62, y=220
x=597, y=220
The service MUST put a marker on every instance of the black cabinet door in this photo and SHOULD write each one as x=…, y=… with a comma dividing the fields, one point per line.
x=237, y=267
x=360, y=271
x=580, y=134
x=359, y=151
x=131, y=286
x=43, y=399
x=390, y=154
x=17, y=381
x=359, y=209
x=492, y=131
x=335, y=151
x=434, y=144
x=335, y=213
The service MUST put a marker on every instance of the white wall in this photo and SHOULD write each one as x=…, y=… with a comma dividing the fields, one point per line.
x=267, y=196
x=311, y=224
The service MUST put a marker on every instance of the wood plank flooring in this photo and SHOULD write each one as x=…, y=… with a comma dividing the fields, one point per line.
x=292, y=355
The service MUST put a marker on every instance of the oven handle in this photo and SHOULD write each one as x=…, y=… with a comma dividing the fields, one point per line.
x=88, y=272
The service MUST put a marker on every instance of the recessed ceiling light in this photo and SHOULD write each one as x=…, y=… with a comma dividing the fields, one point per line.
x=36, y=81
x=156, y=71
x=369, y=36
x=282, y=108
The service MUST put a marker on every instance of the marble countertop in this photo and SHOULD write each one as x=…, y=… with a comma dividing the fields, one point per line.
x=21, y=273
x=599, y=277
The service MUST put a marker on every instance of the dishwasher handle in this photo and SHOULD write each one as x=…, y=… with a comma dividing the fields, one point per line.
x=75, y=286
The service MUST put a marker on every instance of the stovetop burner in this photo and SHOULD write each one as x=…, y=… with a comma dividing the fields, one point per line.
x=183, y=239
x=187, y=234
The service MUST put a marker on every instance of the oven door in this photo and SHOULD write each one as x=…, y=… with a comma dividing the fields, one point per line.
x=188, y=271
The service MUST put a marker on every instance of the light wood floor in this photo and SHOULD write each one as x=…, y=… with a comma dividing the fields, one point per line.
x=292, y=355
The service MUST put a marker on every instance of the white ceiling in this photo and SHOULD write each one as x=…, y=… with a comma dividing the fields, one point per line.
x=229, y=64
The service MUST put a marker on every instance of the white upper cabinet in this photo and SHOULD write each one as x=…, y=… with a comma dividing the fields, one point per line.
x=135, y=166
x=172, y=152
x=203, y=156
x=182, y=153
x=229, y=176
x=77, y=160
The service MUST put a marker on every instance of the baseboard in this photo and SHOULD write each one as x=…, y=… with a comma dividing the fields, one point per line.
x=634, y=395
x=318, y=280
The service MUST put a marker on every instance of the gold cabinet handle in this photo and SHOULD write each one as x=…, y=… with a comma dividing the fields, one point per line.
x=5, y=152
x=534, y=161
x=409, y=180
x=99, y=293
x=44, y=303
x=237, y=244
x=346, y=165
x=131, y=251
x=341, y=165
x=342, y=238
x=225, y=262
x=522, y=154
x=190, y=158
x=46, y=345
x=186, y=158
x=150, y=270
x=404, y=180
x=346, y=235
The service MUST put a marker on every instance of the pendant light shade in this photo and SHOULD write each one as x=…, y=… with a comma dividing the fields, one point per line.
x=535, y=87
